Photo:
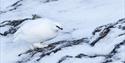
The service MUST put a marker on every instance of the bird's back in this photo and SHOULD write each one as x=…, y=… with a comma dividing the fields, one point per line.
x=35, y=31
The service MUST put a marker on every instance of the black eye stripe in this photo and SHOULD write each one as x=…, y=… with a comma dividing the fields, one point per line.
x=59, y=27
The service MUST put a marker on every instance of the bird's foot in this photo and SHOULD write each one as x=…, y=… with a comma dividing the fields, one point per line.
x=38, y=45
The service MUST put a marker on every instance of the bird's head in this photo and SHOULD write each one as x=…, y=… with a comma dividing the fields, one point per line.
x=53, y=25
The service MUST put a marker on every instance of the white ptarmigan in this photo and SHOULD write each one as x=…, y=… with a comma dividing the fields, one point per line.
x=37, y=32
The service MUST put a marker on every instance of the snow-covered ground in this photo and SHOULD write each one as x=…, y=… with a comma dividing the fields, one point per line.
x=79, y=19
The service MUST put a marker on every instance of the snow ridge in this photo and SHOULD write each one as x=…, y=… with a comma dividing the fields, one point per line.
x=98, y=38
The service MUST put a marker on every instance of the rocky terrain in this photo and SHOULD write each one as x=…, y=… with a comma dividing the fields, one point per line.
x=86, y=40
x=110, y=36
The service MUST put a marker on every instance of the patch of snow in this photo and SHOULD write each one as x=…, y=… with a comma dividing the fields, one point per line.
x=80, y=18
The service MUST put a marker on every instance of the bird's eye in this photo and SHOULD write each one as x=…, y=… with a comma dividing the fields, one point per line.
x=59, y=27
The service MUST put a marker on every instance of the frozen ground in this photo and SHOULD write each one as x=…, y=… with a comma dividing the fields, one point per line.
x=88, y=35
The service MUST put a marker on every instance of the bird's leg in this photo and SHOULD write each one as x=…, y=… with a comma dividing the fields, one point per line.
x=36, y=47
x=32, y=47
x=39, y=45
x=31, y=50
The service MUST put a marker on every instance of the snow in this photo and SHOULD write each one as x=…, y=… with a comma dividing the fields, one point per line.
x=5, y=4
x=76, y=13
x=87, y=60
x=79, y=19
